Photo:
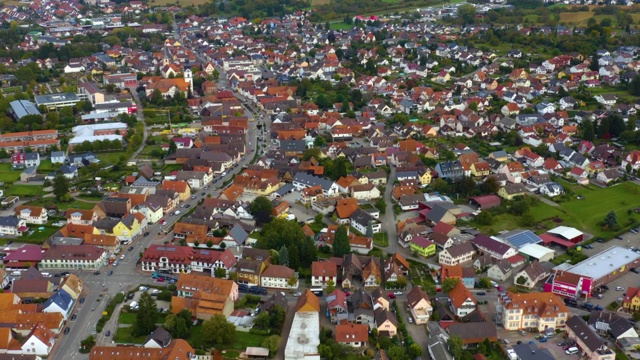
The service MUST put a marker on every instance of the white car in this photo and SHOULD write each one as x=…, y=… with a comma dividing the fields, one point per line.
x=122, y=257
x=410, y=320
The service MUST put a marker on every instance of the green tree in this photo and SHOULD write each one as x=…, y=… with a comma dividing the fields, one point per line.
x=272, y=343
x=179, y=325
x=263, y=321
x=448, y=284
x=521, y=280
x=172, y=147
x=218, y=332
x=61, y=187
x=302, y=250
x=369, y=233
x=261, y=208
x=415, y=351
x=283, y=256
x=146, y=316
x=587, y=131
x=467, y=13
x=484, y=283
x=611, y=220
x=341, y=242
x=455, y=346
x=397, y=352
x=634, y=86
x=484, y=218
x=331, y=286
x=219, y=272
x=381, y=205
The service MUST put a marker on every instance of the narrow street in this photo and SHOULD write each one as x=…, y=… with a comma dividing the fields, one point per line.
x=389, y=216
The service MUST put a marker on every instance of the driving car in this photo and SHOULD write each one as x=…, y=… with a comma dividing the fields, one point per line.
x=122, y=256
x=66, y=331
x=146, y=234
x=130, y=248
x=108, y=333
x=96, y=273
x=110, y=273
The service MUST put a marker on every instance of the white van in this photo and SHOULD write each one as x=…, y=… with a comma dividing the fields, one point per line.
x=571, y=351
x=177, y=212
x=16, y=273
x=46, y=274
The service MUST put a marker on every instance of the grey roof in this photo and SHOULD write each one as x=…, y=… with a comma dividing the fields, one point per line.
x=57, y=154
x=60, y=298
x=362, y=217
x=238, y=234
x=485, y=242
x=293, y=145
x=580, y=328
x=22, y=108
x=286, y=188
x=160, y=336
x=519, y=238
x=55, y=98
x=9, y=221
x=438, y=348
x=526, y=351
x=437, y=212
x=310, y=180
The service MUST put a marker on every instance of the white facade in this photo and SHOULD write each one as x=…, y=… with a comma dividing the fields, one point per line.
x=277, y=283
x=26, y=215
x=71, y=264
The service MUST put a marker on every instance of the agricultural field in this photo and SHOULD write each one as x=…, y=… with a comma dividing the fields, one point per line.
x=315, y=3
x=575, y=17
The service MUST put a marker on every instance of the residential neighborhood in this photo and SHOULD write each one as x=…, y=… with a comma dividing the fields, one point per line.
x=232, y=180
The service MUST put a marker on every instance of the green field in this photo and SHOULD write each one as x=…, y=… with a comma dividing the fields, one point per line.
x=7, y=174
x=24, y=190
x=582, y=214
x=39, y=236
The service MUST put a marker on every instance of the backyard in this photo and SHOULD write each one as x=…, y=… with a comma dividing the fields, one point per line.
x=7, y=174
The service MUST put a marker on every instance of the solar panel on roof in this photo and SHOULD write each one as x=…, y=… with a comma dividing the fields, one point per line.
x=523, y=238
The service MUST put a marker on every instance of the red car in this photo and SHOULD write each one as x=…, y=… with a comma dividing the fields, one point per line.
x=347, y=293
x=392, y=295
x=500, y=288
x=160, y=279
x=163, y=222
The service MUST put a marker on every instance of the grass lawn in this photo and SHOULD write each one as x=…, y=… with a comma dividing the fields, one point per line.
x=176, y=2
x=245, y=339
x=24, y=190
x=7, y=174
x=126, y=318
x=582, y=214
x=46, y=166
x=340, y=26
x=47, y=202
x=598, y=202
x=39, y=236
x=112, y=158
x=123, y=335
x=380, y=239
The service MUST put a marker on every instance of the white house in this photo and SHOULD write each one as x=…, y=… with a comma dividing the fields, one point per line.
x=277, y=277
x=58, y=157
x=150, y=211
x=38, y=342
x=365, y=192
x=12, y=226
x=61, y=302
x=32, y=214
x=551, y=189
x=323, y=271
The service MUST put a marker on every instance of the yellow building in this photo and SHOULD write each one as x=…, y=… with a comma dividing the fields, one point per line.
x=631, y=299
x=510, y=191
x=480, y=169
x=424, y=176
x=127, y=228
x=540, y=310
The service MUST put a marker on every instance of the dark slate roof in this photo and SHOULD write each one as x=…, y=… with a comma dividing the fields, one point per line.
x=160, y=336
x=526, y=351
x=238, y=234
x=60, y=298
x=584, y=333
x=485, y=242
x=9, y=221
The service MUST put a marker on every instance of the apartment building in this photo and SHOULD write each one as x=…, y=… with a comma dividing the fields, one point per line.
x=541, y=310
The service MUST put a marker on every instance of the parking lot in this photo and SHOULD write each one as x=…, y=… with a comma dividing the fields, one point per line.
x=551, y=344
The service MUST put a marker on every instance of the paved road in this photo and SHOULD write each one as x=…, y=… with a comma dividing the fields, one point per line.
x=145, y=128
x=126, y=275
x=389, y=217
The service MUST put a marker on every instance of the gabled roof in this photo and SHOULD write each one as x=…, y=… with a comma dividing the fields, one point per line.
x=61, y=298
x=459, y=294
x=308, y=302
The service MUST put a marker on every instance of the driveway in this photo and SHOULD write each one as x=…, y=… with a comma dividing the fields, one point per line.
x=417, y=332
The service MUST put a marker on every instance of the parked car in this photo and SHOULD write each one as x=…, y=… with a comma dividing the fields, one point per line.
x=599, y=308
x=562, y=343
x=110, y=273
x=523, y=333
x=397, y=293
x=543, y=339
x=298, y=294
x=410, y=320
x=600, y=241
x=74, y=317
x=606, y=287
x=392, y=295
x=146, y=234
x=66, y=331
x=96, y=273
x=108, y=333
x=619, y=288
x=81, y=300
x=635, y=270
x=500, y=288
x=481, y=293
x=619, y=237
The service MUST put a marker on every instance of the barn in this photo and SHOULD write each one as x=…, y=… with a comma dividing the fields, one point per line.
x=567, y=233
x=485, y=202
